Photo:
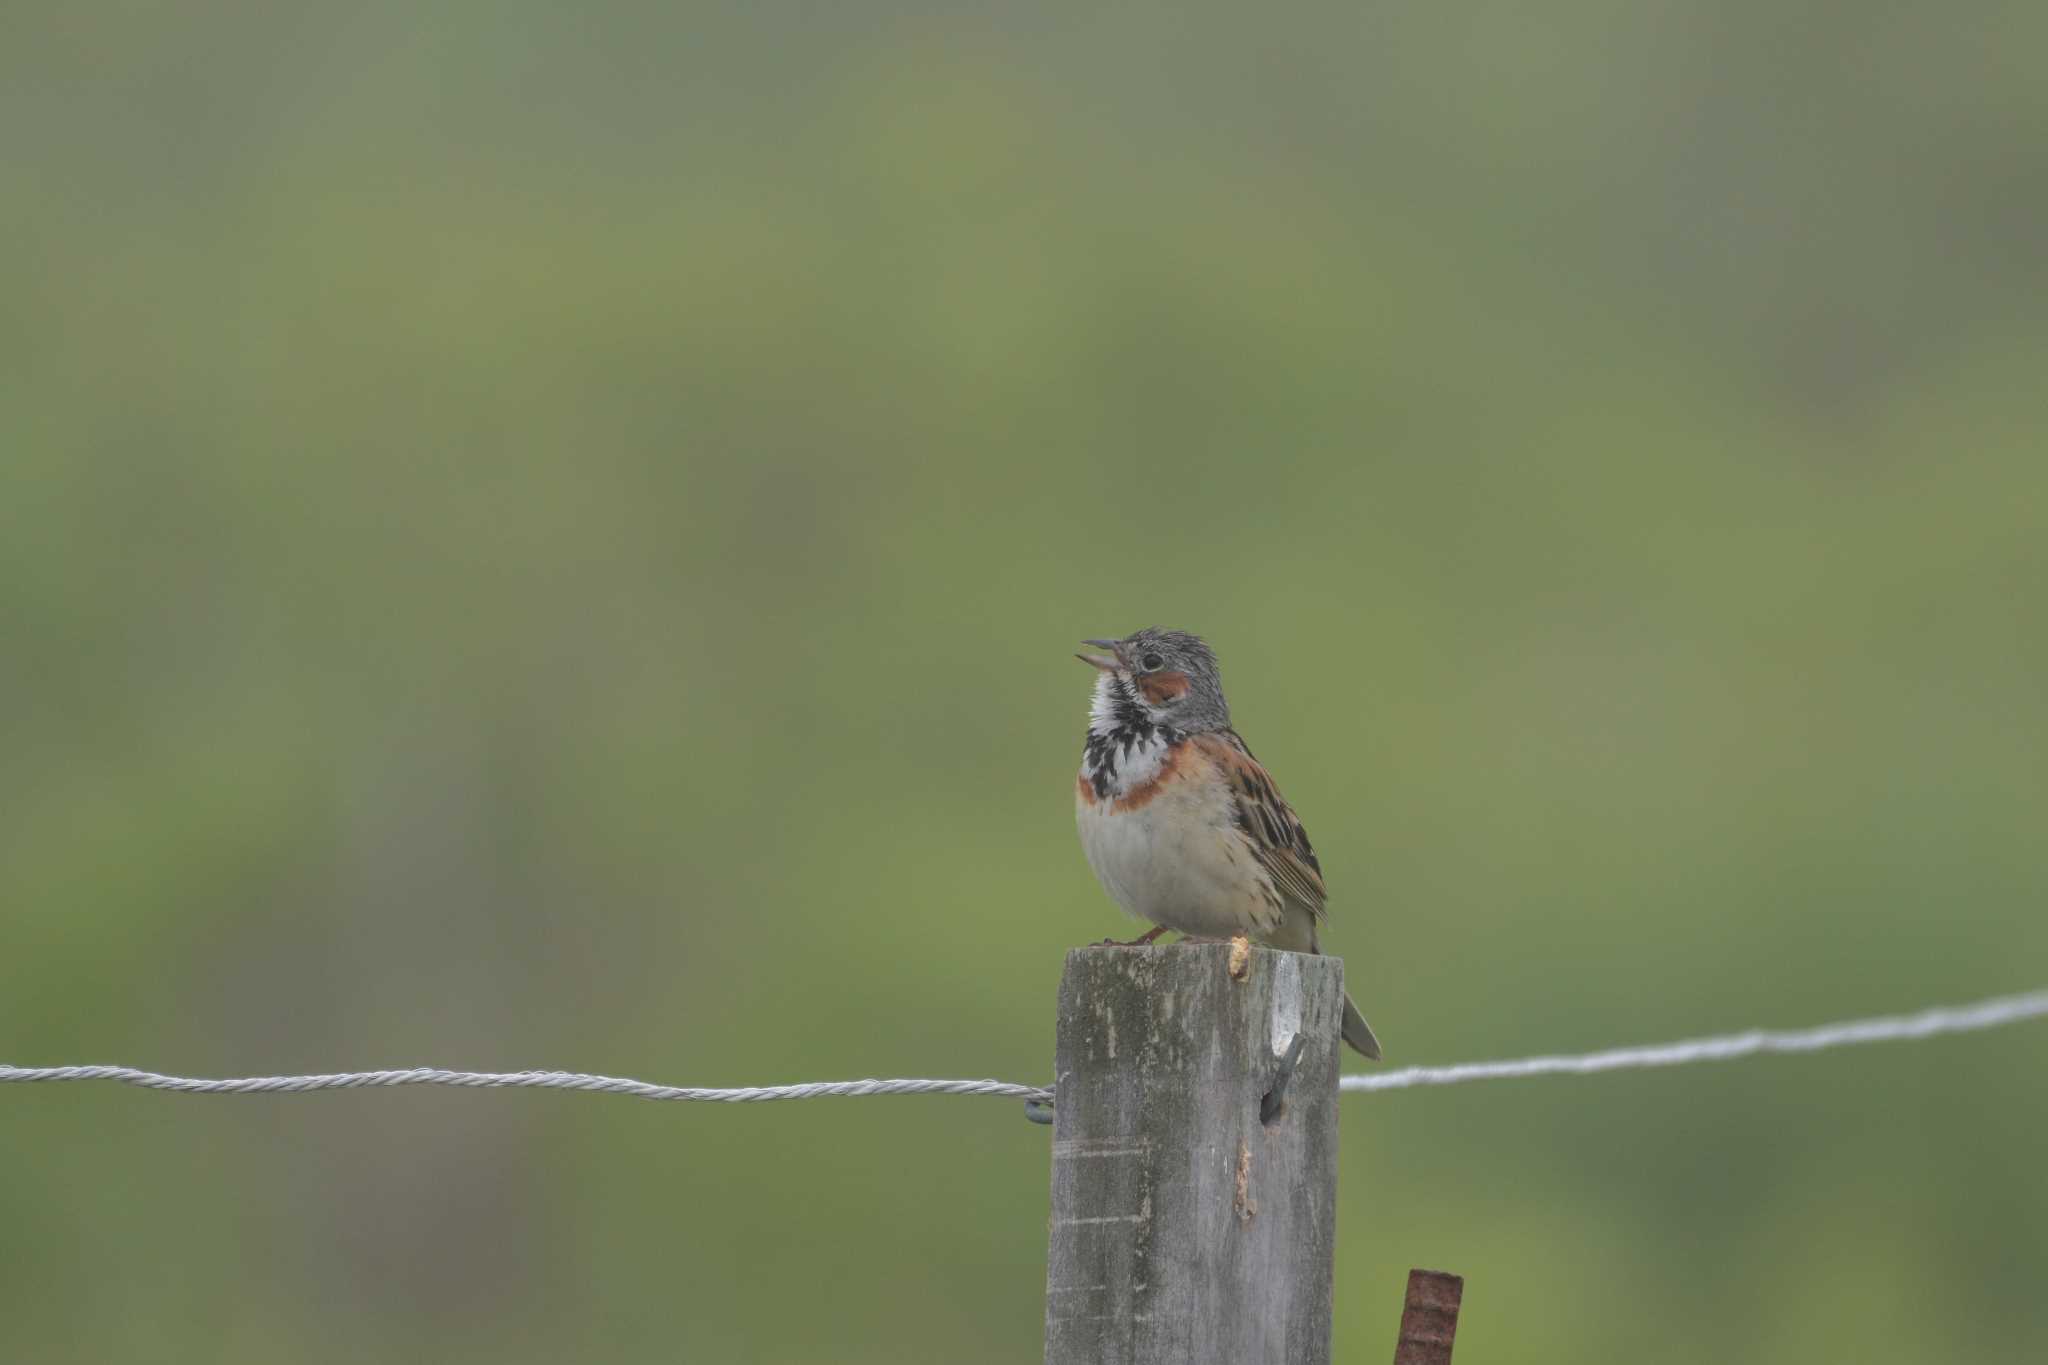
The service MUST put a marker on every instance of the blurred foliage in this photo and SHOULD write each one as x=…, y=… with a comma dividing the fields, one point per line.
x=539, y=536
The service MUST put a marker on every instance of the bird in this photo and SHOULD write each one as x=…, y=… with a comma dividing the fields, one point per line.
x=1181, y=825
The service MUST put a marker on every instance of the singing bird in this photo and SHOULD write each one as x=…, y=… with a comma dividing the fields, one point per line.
x=1182, y=826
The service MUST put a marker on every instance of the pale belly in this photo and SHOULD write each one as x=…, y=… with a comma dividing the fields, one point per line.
x=1175, y=861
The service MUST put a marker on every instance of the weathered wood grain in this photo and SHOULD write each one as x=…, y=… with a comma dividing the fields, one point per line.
x=1184, y=1228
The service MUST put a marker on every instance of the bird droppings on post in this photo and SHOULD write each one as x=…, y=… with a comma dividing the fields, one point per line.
x=1284, y=1017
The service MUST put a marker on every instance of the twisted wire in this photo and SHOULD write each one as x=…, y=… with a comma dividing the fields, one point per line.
x=1971, y=1018
x=516, y=1080
x=1945, y=1019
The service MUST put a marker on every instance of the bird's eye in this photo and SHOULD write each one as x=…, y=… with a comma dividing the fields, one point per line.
x=1152, y=661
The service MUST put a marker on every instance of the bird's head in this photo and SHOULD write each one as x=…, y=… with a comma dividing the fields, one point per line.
x=1162, y=678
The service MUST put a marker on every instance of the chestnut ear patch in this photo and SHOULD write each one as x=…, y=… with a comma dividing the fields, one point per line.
x=1161, y=688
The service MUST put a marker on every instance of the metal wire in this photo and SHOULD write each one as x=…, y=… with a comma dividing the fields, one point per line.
x=516, y=1080
x=1971, y=1018
x=1984, y=1014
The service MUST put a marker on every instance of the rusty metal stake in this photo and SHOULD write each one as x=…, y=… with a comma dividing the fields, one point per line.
x=1429, y=1320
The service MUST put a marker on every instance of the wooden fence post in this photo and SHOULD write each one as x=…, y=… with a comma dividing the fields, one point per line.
x=1194, y=1172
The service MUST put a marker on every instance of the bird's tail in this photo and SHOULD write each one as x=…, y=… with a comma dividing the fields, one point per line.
x=1358, y=1033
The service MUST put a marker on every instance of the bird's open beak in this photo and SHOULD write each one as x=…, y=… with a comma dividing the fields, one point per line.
x=1115, y=647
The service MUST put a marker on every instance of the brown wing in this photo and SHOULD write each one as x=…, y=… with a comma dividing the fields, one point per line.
x=1271, y=827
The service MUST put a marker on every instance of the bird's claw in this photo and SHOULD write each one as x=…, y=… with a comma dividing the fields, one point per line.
x=1141, y=941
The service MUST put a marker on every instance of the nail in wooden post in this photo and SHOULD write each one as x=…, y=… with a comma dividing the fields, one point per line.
x=1187, y=1227
x=1429, y=1320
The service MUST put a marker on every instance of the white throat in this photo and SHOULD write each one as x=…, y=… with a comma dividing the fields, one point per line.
x=1102, y=705
x=1125, y=747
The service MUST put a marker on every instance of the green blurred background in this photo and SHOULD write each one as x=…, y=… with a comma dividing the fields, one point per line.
x=545, y=536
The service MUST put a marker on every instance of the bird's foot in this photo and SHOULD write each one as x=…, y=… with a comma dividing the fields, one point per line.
x=1140, y=941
